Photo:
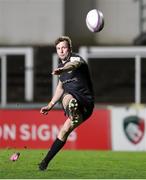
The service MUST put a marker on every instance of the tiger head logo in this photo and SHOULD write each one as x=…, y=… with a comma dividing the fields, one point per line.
x=134, y=128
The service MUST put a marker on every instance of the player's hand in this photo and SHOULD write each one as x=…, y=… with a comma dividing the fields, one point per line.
x=44, y=110
x=57, y=71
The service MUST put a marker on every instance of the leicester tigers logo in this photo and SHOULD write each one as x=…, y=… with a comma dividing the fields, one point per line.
x=134, y=128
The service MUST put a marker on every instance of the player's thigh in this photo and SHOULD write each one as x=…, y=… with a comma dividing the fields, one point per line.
x=65, y=100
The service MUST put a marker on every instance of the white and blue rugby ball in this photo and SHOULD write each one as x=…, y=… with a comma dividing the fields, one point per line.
x=95, y=20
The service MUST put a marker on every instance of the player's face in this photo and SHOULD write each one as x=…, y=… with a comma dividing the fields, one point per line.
x=62, y=50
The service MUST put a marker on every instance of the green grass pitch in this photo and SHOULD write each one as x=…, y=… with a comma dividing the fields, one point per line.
x=69, y=164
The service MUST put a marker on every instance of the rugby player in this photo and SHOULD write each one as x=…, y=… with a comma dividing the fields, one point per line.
x=75, y=92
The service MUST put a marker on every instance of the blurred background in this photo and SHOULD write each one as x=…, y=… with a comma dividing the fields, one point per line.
x=35, y=24
x=116, y=55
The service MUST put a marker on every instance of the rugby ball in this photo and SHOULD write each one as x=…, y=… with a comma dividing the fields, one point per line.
x=95, y=20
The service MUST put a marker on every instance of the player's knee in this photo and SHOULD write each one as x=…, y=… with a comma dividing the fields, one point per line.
x=65, y=99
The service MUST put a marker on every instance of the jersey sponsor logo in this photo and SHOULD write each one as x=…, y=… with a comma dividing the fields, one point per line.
x=69, y=80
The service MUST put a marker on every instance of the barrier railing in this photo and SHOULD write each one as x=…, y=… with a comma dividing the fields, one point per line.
x=119, y=52
x=28, y=54
x=94, y=53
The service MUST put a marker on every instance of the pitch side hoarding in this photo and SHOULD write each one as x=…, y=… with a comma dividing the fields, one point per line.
x=30, y=129
x=128, y=129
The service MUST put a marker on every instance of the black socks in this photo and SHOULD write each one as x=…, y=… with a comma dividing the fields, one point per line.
x=56, y=146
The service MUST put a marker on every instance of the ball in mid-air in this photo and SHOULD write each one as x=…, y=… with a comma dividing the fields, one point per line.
x=95, y=20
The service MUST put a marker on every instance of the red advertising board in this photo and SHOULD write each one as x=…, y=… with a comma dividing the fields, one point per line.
x=30, y=129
